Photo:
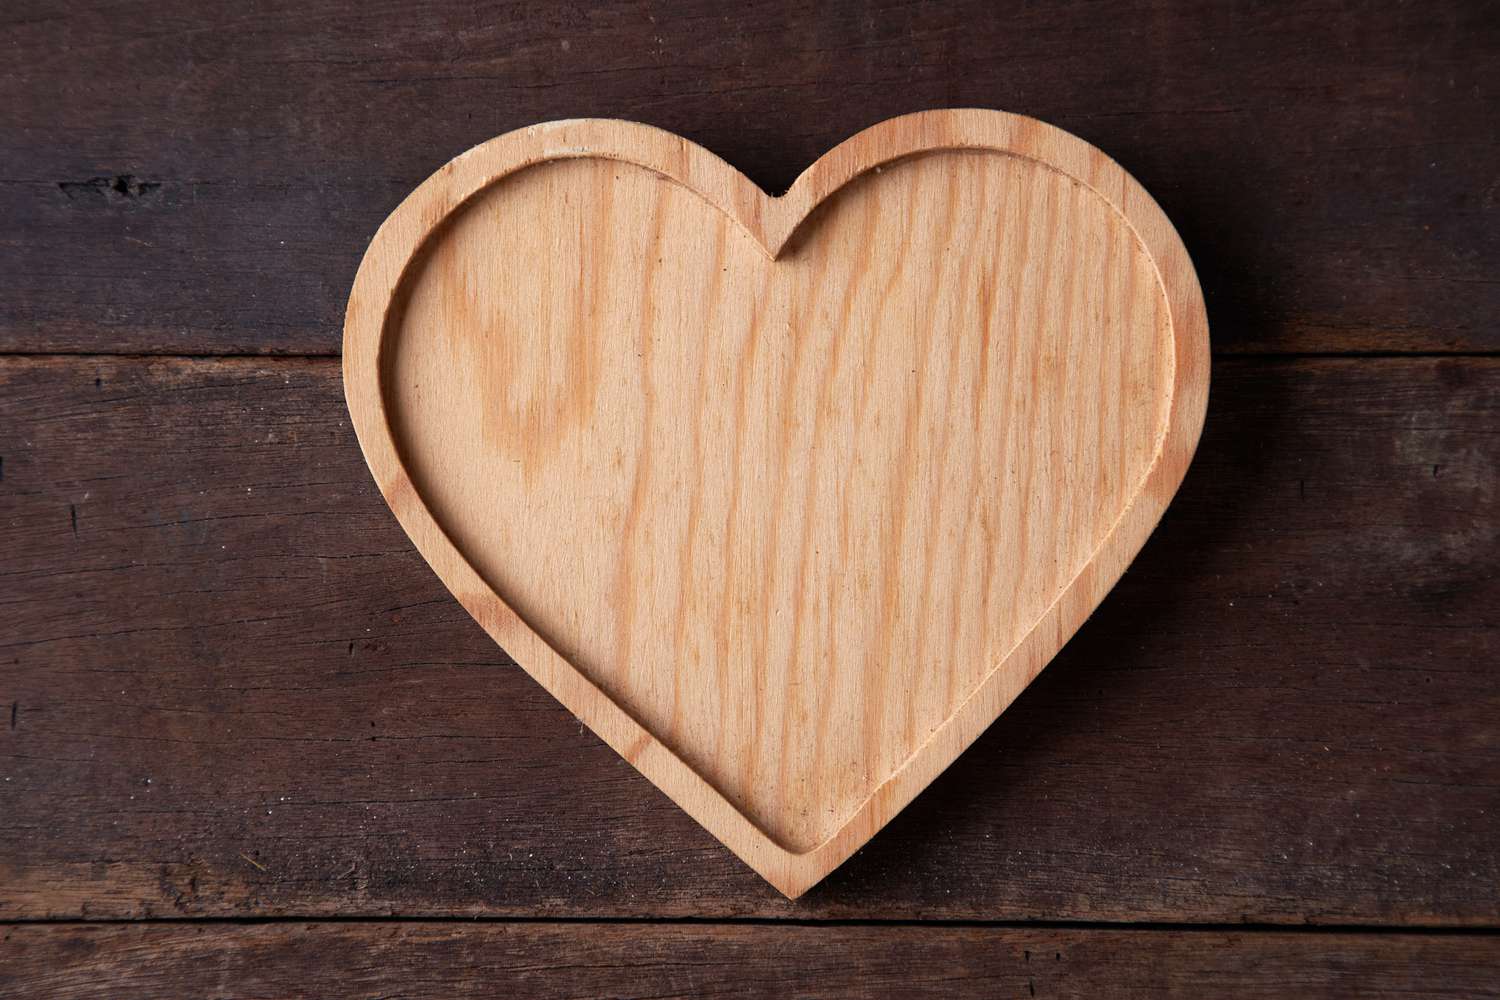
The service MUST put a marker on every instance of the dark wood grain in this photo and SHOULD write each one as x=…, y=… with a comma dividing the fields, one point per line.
x=202, y=178
x=233, y=689
x=540, y=960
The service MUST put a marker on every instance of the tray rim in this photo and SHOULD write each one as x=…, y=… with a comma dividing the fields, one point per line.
x=772, y=221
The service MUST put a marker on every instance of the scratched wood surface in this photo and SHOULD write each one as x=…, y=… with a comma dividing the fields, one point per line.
x=785, y=498
x=204, y=179
x=545, y=961
x=237, y=690
x=229, y=688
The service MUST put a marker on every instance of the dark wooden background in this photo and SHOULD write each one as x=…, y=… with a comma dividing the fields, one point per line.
x=250, y=746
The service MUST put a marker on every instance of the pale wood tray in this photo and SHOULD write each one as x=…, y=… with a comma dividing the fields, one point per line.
x=786, y=498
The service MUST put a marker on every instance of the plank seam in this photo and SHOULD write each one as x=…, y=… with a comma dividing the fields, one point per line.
x=1157, y=927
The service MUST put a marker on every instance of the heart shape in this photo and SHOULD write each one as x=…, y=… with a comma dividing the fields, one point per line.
x=786, y=498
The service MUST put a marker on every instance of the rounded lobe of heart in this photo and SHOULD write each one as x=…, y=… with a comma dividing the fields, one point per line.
x=787, y=514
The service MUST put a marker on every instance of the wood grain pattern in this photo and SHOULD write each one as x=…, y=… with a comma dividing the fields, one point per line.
x=1331, y=167
x=543, y=961
x=230, y=688
x=786, y=498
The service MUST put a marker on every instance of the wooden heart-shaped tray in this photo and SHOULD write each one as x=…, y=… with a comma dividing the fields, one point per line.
x=787, y=498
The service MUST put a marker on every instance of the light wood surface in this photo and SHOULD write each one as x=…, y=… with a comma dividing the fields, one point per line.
x=786, y=498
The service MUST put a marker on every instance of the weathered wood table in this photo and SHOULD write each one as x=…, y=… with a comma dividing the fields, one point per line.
x=249, y=746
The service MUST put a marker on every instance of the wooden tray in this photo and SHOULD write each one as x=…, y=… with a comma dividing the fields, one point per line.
x=786, y=498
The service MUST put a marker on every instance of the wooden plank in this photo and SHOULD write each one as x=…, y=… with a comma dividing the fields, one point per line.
x=204, y=179
x=542, y=960
x=233, y=688
x=745, y=485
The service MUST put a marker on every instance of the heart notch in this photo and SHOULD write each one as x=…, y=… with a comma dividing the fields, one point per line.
x=787, y=498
